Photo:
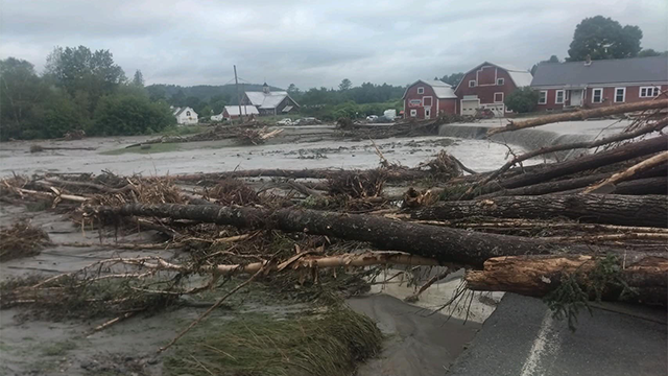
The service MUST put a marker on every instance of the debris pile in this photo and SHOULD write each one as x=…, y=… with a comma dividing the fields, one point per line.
x=595, y=226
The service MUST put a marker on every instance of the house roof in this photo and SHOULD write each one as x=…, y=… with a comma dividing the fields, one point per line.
x=179, y=110
x=245, y=110
x=441, y=89
x=576, y=73
x=521, y=77
x=268, y=101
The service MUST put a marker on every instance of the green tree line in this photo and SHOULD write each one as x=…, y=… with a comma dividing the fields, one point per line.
x=80, y=89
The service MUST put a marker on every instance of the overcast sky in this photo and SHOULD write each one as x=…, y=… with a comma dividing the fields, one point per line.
x=311, y=43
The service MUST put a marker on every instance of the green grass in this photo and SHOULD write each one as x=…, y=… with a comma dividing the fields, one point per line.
x=329, y=343
x=184, y=130
x=155, y=148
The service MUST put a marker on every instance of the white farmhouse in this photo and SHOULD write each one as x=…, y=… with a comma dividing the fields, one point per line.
x=185, y=115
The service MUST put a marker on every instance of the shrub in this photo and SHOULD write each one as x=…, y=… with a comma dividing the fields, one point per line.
x=522, y=100
x=130, y=115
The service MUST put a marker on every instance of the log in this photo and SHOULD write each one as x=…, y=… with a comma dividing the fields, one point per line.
x=654, y=127
x=648, y=164
x=581, y=115
x=648, y=186
x=391, y=174
x=648, y=210
x=539, y=275
x=584, y=163
x=444, y=244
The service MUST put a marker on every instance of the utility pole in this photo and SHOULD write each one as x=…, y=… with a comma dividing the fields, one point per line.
x=236, y=82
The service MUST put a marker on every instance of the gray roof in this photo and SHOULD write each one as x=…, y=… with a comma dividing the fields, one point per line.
x=441, y=89
x=268, y=101
x=576, y=73
x=245, y=110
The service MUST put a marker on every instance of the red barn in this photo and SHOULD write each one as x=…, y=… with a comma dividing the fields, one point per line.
x=600, y=83
x=487, y=86
x=426, y=99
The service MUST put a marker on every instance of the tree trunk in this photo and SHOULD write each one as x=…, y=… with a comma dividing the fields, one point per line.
x=648, y=210
x=654, y=127
x=391, y=175
x=538, y=275
x=587, y=162
x=446, y=245
x=630, y=173
x=581, y=115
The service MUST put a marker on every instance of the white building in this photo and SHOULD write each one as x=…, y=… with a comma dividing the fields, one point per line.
x=232, y=112
x=185, y=115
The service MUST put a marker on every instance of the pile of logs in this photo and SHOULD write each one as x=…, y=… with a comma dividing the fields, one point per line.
x=526, y=229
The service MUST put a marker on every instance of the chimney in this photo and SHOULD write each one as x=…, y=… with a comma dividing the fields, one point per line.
x=265, y=88
x=588, y=60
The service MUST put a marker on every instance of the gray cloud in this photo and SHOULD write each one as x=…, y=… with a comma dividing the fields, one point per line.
x=312, y=43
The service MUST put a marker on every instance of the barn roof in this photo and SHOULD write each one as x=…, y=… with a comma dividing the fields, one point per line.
x=245, y=110
x=441, y=89
x=179, y=110
x=521, y=77
x=576, y=73
x=267, y=101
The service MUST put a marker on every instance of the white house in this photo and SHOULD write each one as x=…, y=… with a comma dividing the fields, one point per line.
x=185, y=115
x=232, y=112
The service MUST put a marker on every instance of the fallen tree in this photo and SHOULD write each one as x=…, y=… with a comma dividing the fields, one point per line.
x=645, y=281
x=446, y=245
x=587, y=162
x=648, y=164
x=581, y=115
x=646, y=210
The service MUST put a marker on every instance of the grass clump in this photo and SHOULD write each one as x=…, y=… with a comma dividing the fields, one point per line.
x=58, y=348
x=21, y=240
x=329, y=343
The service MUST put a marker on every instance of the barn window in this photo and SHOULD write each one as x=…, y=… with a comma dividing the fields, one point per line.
x=500, y=81
x=542, y=99
x=498, y=97
x=472, y=83
x=413, y=113
x=649, y=91
x=187, y=113
x=420, y=90
x=415, y=102
x=620, y=94
x=597, y=96
x=559, y=98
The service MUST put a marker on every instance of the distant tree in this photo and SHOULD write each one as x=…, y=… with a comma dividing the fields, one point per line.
x=650, y=52
x=178, y=99
x=522, y=100
x=61, y=115
x=22, y=94
x=292, y=88
x=130, y=115
x=80, y=68
x=205, y=111
x=553, y=59
x=604, y=38
x=345, y=85
x=138, y=79
x=453, y=79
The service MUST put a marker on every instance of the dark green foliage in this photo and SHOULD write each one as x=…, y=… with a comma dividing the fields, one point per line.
x=130, y=115
x=576, y=290
x=345, y=84
x=522, y=100
x=604, y=38
x=453, y=79
x=649, y=52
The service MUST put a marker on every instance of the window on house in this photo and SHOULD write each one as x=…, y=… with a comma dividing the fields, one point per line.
x=187, y=113
x=472, y=83
x=426, y=101
x=498, y=97
x=420, y=90
x=597, y=96
x=559, y=98
x=649, y=91
x=620, y=94
x=542, y=99
x=499, y=81
x=413, y=113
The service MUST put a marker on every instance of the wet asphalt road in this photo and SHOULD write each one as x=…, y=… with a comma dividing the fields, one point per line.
x=521, y=338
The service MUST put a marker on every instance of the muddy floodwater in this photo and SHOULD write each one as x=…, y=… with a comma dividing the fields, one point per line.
x=417, y=343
